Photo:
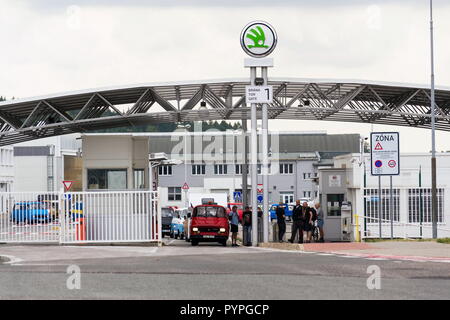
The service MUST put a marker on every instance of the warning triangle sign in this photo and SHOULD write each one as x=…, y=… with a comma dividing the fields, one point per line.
x=185, y=186
x=378, y=147
x=67, y=185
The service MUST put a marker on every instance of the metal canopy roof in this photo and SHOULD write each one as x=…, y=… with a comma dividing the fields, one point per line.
x=302, y=99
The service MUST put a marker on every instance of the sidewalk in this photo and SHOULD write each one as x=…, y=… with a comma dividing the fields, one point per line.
x=400, y=250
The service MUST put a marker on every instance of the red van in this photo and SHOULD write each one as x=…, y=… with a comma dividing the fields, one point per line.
x=209, y=223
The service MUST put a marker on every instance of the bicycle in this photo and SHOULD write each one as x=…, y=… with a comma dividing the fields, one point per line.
x=315, y=232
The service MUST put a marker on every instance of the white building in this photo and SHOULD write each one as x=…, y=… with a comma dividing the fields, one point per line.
x=39, y=164
x=411, y=203
x=6, y=169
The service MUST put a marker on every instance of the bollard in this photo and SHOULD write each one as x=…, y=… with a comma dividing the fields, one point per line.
x=80, y=231
x=357, y=234
x=275, y=232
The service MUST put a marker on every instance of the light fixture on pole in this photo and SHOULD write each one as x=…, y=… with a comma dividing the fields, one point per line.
x=434, y=215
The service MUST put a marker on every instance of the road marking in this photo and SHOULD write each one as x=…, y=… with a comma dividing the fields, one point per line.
x=12, y=259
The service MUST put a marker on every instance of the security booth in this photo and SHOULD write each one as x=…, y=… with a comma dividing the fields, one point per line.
x=333, y=198
x=115, y=162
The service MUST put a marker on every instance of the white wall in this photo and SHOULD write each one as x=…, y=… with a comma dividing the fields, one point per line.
x=30, y=174
x=7, y=168
x=409, y=178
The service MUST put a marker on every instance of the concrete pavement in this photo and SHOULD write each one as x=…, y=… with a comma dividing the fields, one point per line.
x=209, y=271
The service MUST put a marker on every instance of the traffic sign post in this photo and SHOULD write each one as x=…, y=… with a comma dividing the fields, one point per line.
x=385, y=161
x=385, y=153
x=258, y=94
x=67, y=185
x=258, y=40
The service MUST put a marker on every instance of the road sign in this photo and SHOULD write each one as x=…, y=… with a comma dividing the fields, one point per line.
x=237, y=196
x=260, y=189
x=258, y=94
x=385, y=153
x=67, y=185
x=260, y=198
x=185, y=186
x=258, y=39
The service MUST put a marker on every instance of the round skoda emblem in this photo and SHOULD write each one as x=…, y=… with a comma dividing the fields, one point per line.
x=258, y=39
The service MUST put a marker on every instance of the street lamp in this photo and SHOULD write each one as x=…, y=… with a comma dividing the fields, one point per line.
x=434, y=216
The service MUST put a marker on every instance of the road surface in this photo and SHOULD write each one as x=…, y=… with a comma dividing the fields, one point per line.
x=209, y=271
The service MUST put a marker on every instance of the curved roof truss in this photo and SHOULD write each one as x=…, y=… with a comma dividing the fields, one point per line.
x=302, y=99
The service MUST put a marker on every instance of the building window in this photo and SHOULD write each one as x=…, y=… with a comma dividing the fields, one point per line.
x=198, y=169
x=220, y=169
x=165, y=170
x=174, y=194
x=286, y=168
x=287, y=197
x=107, y=179
x=334, y=204
x=238, y=169
x=419, y=205
x=372, y=203
x=138, y=179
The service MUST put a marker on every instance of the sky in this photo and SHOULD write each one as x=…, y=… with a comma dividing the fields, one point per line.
x=61, y=45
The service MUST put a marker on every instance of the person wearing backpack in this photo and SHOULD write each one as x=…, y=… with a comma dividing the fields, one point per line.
x=234, y=226
x=247, y=224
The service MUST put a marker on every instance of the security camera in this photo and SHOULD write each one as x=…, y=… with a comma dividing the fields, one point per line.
x=259, y=81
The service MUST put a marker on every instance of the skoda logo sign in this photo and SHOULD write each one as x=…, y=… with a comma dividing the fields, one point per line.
x=258, y=39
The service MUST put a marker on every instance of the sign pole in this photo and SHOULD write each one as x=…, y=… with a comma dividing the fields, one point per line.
x=245, y=201
x=265, y=163
x=391, y=208
x=420, y=201
x=379, y=206
x=258, y=40
x=254, y=161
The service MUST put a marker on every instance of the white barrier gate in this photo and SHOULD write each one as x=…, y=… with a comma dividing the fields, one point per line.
x=79, y=217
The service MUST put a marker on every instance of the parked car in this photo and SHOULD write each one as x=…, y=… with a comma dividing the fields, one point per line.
x=167, y=215
x=288, y=208
x=209, y=223
x=31, y=212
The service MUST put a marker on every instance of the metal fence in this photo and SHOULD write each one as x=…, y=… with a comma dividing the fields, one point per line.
x=369, y=228
x=411, y=216
x=79, y=217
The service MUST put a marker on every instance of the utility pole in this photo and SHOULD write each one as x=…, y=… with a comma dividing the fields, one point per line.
x=434, y=201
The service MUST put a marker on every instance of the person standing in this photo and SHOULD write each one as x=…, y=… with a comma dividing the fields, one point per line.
x=247, y=223
x=320, y=221
x=297, y=223
x=281, y=220
x=234, y=226
x=307, y=220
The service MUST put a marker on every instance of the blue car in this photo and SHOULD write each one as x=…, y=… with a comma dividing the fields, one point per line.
x=287, y=211
x=31, y=212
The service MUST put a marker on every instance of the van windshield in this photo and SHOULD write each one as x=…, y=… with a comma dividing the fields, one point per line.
x=167, y=212
x=209, y=212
